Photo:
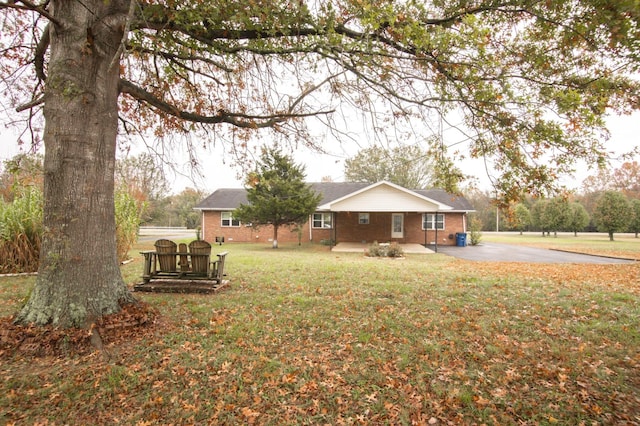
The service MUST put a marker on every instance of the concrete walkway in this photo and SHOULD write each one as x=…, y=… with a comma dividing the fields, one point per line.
x=360, y=248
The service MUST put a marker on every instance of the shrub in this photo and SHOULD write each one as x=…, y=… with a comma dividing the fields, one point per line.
x=475, y=224
x=394, y=250
x=384, y=250
x=374, y=250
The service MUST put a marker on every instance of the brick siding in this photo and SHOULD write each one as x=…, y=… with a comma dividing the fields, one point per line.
x=347, y=228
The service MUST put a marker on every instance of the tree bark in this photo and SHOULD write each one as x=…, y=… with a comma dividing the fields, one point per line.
x=79, y=278
x=275, y=236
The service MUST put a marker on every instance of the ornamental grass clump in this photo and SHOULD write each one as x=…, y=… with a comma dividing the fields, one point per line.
x=21, y=231
x=128, y=213
x=21, y=228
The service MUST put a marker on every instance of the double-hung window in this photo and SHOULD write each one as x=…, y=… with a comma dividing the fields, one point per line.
x=323, y=220
x=431, y=221
x=228, y=220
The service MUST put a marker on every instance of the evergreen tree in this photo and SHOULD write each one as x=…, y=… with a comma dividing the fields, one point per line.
x=277, y=194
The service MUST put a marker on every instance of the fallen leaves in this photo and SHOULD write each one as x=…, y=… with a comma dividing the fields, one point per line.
x=133, y=321
x=439, y=342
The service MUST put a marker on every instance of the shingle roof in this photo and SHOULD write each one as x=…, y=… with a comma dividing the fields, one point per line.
x=458, y=202
x=224, y=199
x=230, y=198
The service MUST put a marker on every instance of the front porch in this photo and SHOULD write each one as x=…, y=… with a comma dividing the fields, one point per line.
x=409, y=248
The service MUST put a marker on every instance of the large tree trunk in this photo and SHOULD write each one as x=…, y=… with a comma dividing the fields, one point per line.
x=79, y=277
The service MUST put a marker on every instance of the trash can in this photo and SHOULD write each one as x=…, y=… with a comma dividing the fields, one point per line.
x=461, y=239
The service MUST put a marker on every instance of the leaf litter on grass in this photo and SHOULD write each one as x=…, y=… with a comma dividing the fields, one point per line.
x=423, y=341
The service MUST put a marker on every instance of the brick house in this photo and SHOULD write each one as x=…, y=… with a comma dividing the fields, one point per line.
x=349, y=212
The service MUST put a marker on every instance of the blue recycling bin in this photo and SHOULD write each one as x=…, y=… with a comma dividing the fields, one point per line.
x=461, y=239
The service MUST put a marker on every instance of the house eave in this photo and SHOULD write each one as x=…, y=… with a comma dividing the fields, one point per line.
x=215, y=209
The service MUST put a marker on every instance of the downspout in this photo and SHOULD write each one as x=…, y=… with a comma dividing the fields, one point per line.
x=310, y=222
x=202, y=224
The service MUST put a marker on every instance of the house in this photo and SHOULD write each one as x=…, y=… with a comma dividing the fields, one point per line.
x=350, y=212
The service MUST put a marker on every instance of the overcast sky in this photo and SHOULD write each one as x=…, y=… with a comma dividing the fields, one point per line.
x=219, y=173
x=625, y=136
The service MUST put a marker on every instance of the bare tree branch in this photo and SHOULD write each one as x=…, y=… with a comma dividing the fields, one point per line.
x=29, y=6
x=29, y=105
x=125, y=34
x=41, y=49
x=246, y=121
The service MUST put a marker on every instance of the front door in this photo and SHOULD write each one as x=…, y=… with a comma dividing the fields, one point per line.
x=397, y=225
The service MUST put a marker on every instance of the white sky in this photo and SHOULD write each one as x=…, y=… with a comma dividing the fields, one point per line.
x=625, y=135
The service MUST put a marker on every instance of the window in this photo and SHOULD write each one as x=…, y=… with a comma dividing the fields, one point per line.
x=322, y=220
x=363, y=218
x=228, y=220
x=430, y=221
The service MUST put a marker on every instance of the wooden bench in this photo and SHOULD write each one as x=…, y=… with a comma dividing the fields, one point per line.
x=170, y=262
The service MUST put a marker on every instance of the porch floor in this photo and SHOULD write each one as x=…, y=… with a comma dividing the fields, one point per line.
x=360, y=248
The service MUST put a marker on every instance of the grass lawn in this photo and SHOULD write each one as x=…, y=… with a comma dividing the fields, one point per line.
x=306, y=336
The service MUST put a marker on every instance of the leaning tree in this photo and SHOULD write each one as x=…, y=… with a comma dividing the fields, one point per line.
x=531, y=80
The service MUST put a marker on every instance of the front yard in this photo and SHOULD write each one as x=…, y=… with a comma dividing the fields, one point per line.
x=306, y=336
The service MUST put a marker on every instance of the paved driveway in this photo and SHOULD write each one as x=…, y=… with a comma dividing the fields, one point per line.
x=488, y=252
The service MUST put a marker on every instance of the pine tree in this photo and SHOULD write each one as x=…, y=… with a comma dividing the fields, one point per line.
x=277, y=194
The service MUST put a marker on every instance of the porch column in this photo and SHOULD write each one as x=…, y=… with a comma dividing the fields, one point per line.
x=435, y=225
x=335, y=227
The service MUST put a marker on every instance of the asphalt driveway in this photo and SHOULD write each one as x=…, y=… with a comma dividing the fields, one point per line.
x=487, y=252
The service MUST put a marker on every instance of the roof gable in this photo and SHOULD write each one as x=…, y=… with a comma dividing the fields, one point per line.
x=384, y=196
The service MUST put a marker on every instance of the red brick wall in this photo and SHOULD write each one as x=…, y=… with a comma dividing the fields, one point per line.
x=379, y=228
x=212, y=228
x=453, y=223
x=347, y=229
